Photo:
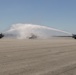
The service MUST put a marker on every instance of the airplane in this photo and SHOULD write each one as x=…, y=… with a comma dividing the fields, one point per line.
x=33, y=36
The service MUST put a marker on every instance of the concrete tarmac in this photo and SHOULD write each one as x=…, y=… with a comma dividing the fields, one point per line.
x=38, y=57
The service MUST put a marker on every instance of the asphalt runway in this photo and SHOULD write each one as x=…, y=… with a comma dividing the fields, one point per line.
x=38, y=57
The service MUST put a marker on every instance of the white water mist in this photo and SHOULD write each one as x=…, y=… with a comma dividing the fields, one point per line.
x=23, y=31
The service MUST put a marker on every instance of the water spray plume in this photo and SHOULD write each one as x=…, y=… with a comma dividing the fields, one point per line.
x=22, y=31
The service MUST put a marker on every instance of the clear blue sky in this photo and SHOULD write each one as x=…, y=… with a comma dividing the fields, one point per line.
x=59, y=14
